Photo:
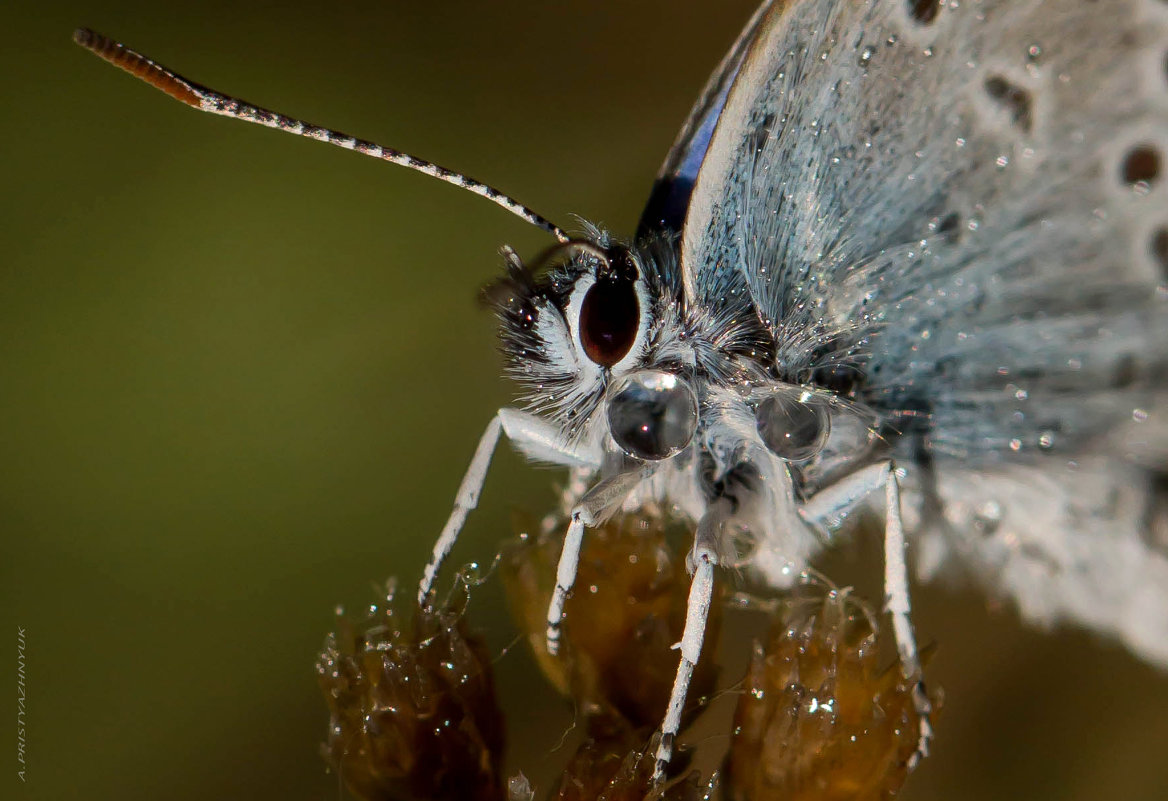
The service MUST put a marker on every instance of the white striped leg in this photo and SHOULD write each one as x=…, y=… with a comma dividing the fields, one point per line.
x=702, y=560
x=467, y=499
x=826, y=508
x=575, y=489
x=899, y=608
x=532, y=435
x=565, y=578
x=596, y=504
x=701, y=591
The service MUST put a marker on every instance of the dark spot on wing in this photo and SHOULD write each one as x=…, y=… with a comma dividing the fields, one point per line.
x=924, y=11
x=1013, y=98
x=1126, y=372
x=1159, y=248
x=1141, y=166
x=947, y=228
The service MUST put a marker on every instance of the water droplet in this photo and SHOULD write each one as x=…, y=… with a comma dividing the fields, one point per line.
x=988, y=517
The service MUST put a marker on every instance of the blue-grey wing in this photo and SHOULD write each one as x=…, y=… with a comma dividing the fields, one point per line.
x=669, y=199
x=970, y=210
x=966, y=210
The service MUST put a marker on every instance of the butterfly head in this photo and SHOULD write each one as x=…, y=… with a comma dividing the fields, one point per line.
x=602, y=342
x=585, y=331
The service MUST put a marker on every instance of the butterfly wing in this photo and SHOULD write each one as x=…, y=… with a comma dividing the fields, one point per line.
x=665, y=210
x=965, y=205
x=1086, y=544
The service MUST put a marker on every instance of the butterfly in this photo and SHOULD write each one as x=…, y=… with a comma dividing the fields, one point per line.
x=908, y=255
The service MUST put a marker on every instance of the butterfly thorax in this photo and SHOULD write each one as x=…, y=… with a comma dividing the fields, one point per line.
x=607, y=347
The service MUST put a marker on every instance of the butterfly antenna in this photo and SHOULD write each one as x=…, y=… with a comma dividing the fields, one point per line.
x=205, y=99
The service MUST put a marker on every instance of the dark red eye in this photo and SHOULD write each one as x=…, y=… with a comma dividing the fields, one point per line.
x=609, y=318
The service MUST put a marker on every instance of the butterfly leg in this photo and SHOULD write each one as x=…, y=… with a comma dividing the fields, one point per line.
x=596, y=504
x=527, y=433
x=467, y=499
x=899, y=608
x=702, y=560
x=573, y=490
x=826, y=508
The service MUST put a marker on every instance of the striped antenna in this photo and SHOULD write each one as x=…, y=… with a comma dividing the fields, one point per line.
x=205, y=99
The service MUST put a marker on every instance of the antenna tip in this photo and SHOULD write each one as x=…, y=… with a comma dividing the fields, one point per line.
x=84, y=37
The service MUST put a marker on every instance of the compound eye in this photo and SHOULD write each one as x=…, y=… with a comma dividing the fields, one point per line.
x=652, y=415
x=610, y=313
x=794, y=424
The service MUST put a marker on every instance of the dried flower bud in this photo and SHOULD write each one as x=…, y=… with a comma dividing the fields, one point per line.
x=413, y=714
x=621, y=769
x=822, y=716
x=620, y=624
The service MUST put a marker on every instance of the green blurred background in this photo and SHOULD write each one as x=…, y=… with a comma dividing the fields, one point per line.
x=241, y=375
